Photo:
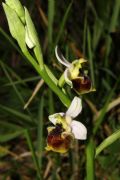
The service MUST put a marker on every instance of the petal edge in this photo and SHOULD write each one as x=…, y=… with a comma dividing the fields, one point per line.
x=79, y=130
x=75, y=107
x=61, y=58
x=53, y=117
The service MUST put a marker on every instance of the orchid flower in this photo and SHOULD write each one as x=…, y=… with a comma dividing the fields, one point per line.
x=66, y=129
x=75, y=75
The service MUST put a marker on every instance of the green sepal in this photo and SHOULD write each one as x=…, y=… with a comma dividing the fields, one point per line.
x=31, y=28
x=61, y=81
x=32, y=34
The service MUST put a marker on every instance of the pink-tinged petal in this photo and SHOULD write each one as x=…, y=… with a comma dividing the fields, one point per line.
x=75, y=107
x=79, y=130
x=54, y=117
x=61, y=58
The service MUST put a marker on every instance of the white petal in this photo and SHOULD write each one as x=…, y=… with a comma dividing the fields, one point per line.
x=67, y=78
x=61, y=58
x=75, y=107
x=79, y=130
x=53, y=118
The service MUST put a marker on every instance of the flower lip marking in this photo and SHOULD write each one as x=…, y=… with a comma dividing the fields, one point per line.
x=75, y=75
x=57, y=140
x=65, y=128
x=81, y=85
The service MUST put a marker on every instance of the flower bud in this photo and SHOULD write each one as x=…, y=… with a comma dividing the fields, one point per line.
x=31, y=34
x=17, y=6
x=16, y=26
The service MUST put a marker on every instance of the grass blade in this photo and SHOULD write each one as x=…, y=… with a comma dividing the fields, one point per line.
x=112, y=26
x=31, y=147
x=40, y=131
x=90, y=54
x=108, y=141
x=23, y=81
x=62, y=25
x=51, y=102
x=11, y=41
x=14, y=87
x=100, y=118
x=9, y=131
x=51, y=12
x=16, y=113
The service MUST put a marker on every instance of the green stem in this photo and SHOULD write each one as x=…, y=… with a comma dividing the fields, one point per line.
x=42, y=72
x=65, y=100
x=90, y=155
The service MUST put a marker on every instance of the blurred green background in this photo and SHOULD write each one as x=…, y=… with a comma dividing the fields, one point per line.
x=89, y=29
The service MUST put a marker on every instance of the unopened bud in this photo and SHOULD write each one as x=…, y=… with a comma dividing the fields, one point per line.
x=17, y=6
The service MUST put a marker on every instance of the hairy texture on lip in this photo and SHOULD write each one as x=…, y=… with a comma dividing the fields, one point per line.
x=58, y=141
x=81, y=85
x=57, y=130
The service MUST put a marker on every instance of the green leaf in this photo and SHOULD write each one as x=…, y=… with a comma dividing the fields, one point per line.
x=112, y=138
x=16, y=113
x=103, y=111
x=9, y=131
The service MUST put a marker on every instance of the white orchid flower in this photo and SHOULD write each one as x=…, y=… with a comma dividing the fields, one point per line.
x=75, y=75
x=76, y=127
x=66, y=128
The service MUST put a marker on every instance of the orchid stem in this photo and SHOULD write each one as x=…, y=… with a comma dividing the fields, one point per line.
x=42, y=72
x=90, y=155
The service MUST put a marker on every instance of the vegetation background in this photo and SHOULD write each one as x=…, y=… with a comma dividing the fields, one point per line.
x=89, y=29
